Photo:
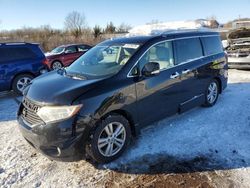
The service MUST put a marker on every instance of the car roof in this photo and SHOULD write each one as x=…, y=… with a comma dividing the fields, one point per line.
x=17, y=43
x=68, y=45
x=171, y=34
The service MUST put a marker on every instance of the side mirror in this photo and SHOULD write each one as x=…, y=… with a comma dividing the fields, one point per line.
x=150, y=69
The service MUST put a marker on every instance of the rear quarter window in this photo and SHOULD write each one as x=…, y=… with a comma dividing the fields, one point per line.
x=82, y=48
x=15, y=53
x=187, y=50
x=212, y=45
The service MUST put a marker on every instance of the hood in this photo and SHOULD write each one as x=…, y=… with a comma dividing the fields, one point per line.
x=239, y=34
x=239, y=43
x=52, y=55
x=57, y=89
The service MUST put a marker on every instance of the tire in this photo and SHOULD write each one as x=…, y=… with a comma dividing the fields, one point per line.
x=212, y=93
x=103, y=135
x=20, y=82
x=56, y=65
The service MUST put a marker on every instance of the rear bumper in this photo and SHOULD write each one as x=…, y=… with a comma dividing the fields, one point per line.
x=239, y=63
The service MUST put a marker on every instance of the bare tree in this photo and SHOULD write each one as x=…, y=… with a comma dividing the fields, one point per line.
x=123, y=28
x=110, y=28
x=155, y=21
x=97, y=30
x=213, y=23
x=75, y=23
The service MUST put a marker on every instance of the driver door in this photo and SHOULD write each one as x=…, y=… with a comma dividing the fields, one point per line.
x=159, y=95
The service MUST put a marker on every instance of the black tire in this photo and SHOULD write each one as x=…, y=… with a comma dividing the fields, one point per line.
x=93, y=150
x=15, y=84
x=208, y=102
x=53, y=65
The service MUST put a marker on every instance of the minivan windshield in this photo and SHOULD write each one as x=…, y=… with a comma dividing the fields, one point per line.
x=103, y=60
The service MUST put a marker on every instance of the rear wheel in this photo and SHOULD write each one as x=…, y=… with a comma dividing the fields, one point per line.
x=56, y=65
x=20, y=82
x=110, y=139
x=212, y=93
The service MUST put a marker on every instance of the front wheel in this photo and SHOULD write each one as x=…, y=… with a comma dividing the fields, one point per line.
x=212, y=93
x=110, y=139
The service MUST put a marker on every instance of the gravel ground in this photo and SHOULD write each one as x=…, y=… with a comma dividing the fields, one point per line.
x=205, y=147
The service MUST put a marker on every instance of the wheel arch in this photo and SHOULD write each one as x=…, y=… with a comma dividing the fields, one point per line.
x=126, y=115
x=18, y=74
x=56, y=60
x=220, y=83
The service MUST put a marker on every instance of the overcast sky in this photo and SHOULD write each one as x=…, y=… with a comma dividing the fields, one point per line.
x=16, y=14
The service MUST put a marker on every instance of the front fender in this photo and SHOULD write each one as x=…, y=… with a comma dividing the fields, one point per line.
x=96, y=107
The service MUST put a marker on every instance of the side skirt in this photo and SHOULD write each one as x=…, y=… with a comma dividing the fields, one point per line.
x=191, y=103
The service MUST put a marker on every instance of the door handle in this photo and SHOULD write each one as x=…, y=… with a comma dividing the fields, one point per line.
x=174, y=75
x=185, y=71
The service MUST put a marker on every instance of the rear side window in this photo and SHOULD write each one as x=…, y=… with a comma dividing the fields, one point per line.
x=212, y=45
x=15, y=53
x=82, y=48
x=71, y=49
x=188, y=49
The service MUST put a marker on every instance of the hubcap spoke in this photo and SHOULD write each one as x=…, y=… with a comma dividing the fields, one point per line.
x=109, y=129
x=118, y=142
x=109, y=150
x=102, y=142
x=119, y=130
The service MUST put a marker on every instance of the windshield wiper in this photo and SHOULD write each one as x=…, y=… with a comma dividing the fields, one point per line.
x=75, y=75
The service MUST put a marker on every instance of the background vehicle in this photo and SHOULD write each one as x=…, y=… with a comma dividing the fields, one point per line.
x=239, y=49
x=63, y=56
x=119, y=86
x=19, y=64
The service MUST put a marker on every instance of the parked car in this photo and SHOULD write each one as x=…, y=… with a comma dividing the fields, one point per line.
x=95, y=105
x=238, y=49
x=63, y=56
x=19, y=64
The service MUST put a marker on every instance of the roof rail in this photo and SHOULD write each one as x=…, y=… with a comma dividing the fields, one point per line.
x=167, y=27
x=16, y=43
x=182, y=30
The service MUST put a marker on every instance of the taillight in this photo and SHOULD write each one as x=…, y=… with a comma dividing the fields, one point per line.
x=45, y=61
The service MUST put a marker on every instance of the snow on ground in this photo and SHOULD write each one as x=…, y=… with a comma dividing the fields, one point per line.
x=22, y=166
x=208, y=145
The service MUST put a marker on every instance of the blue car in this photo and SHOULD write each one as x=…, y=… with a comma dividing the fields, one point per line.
x=19, y=64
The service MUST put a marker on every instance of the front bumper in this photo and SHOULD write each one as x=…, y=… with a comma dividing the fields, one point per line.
x=58, y=141
x=239, y=63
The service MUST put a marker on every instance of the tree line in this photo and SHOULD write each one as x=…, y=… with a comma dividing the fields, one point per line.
x=76, y=30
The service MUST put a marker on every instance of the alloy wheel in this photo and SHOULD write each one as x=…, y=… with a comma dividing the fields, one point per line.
x=22, y=83
x=56, y=65
x=112, y=139
x=212, y=92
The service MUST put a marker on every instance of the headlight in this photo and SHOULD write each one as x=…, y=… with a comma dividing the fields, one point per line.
x=55, y=113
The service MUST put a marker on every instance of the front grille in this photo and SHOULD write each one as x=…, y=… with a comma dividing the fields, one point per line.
x=29, y=112
x=238, y=54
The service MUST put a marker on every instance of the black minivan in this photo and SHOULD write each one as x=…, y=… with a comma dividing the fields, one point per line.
x=97, y=104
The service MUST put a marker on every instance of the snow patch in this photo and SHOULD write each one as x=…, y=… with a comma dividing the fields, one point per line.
x=159, y=28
